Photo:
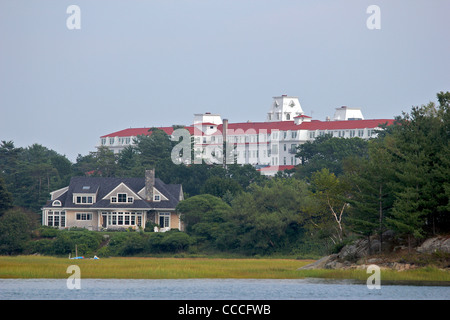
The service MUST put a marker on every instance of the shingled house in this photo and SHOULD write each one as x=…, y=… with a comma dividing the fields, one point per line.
x=98, y=203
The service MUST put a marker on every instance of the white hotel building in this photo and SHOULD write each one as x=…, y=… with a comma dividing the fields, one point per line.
x=269, y=145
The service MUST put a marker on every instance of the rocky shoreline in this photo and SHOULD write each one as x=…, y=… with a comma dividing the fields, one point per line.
x=394, y=256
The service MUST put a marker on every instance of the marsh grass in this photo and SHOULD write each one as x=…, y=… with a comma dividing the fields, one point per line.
x=191, y=268
x=150, y=268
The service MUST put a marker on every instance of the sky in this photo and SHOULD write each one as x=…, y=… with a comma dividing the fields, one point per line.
x=146, y=63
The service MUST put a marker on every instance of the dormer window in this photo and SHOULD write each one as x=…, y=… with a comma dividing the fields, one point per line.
x=122, y=198
x=57, y=203
x=83, y=199
x=157, y=197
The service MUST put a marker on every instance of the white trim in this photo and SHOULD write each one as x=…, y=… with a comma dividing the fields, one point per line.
x=62, y=190
x=155, y=191
x=56, y=203
x=109, y=195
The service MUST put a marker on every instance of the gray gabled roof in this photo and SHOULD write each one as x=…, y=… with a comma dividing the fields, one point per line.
x=103, y=186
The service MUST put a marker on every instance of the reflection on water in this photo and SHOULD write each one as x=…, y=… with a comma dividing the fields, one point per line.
x=213, y=289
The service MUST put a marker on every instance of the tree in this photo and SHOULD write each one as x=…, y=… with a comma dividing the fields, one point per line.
x=416, y=149
x=370, y=197
x=327, y=211
x=153, y=148
x=328, y=152
x=269, y=216
x=5, y=197
x=205, y=217
x=16, y=226
x=218, y=187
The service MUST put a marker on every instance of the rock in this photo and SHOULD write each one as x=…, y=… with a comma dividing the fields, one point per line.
x=355, y=251
x=321, y=263
x=435, y=244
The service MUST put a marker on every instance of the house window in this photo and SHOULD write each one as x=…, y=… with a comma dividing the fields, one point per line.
x=164, y=220
x=157, y=197
x=113, y=199
x=84, y=216
x=84, y=199
x=121, y=197
x=63, y=219
x=139, y=221
x=57, y=203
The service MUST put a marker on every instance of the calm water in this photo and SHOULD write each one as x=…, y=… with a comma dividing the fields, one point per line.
x=212, y=289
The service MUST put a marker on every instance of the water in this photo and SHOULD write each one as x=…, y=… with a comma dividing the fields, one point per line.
x=213, y=289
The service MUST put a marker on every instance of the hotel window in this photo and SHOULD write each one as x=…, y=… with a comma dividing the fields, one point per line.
x=293, y=148
x=293, y=134
x=360, y=133
x=111, y=140
x=312, y=135
x=288, y=116
x=103, y=141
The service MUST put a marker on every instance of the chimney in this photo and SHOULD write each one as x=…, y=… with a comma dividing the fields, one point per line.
x=224, y=142
x=149, y=183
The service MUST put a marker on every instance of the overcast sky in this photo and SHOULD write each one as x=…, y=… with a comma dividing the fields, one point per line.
x=156, y=63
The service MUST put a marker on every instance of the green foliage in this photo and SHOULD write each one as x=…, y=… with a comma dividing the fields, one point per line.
x=398, y=180
x=16, y=228
x=5, y=197
x=328, y=152
x=31, y=174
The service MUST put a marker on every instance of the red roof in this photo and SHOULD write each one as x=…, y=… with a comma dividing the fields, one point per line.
x=277, y=168
x=262, y=127
x=134, y=132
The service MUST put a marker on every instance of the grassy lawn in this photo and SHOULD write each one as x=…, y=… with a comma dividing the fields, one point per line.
x=183, y=268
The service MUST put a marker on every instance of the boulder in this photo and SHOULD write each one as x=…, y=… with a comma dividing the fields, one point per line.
x=354, y=251
x=435, y=244
x=321, y=263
